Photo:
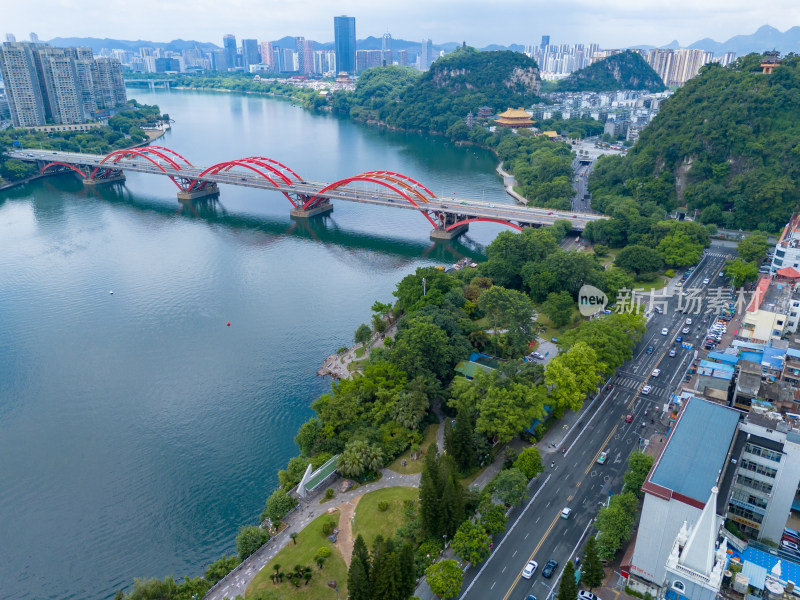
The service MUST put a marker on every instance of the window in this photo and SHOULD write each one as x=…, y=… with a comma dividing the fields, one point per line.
x=678, y=586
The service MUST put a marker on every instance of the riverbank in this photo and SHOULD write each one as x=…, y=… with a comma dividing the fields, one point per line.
x=152, y=135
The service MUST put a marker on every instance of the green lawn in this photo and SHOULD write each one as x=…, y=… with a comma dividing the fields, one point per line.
x=370, y=522
x=360, y=351
x=415, y=466
x=308, y=542
x=658, y=283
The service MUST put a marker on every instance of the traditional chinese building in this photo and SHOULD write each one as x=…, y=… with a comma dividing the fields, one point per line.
x=484, y=112
x=514, y=117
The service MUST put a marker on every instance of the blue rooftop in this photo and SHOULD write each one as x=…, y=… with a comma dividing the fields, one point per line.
x=696, y=450
x=790, y=571
x=722, y=357
x=754, y=357
x=773, y=358
x=716, y=366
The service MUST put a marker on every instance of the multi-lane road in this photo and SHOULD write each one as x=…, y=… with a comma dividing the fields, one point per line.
x=536, y=530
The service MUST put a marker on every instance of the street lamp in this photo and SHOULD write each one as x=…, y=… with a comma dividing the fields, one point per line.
x=445, y=541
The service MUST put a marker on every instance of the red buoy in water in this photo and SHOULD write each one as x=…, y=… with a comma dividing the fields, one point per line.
x=229, y=323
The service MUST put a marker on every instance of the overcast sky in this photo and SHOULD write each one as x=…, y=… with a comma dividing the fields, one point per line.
x=611, y=23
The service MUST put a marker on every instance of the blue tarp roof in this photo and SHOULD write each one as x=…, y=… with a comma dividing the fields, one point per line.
x=696, y=449
x=756, y=573
x=722, y=357
x=717, y=366
x=793, y=352
x=752, y=356
x=773, y=358
x=789, y=571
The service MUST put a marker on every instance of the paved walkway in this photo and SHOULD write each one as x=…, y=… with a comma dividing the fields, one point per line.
x=345, y=540
x=237, y=580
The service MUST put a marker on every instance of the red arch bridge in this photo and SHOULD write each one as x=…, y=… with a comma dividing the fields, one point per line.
x=449, y=216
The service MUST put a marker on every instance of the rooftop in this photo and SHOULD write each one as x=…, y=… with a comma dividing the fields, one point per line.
x=791, y=233
x=700, y=440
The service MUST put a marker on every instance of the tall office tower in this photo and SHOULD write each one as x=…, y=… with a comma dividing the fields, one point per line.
x=305, y=55
x=386, y=49
x=402, y=58
x=289, y=60
x=545, y=42
x=18, y=67
x=426, y=57
x=219, y=60
x=251, y=55
x=266, y=54
x=229, y=45
x=344, y=33
x=34, y=38
x=277, y=59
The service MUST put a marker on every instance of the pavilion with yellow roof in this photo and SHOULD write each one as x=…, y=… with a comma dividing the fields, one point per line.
x=515, y=118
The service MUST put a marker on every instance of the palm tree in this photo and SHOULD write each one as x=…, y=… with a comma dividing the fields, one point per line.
x=277, y=568
x=307, y=576
x=293, y=535
x=320, y=561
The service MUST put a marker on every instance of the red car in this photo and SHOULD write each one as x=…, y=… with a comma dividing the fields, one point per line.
x=628, y=418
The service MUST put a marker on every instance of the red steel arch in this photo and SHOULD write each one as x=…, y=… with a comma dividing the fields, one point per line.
x=396, y=185
x=163, y=149
x=414, y=182
x=272, y=161
x=143, y=153
x=248, y=164
x=489, y=219
x=69, y=166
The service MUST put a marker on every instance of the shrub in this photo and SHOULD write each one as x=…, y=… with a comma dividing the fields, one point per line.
x=670, y=272
x=328, y=527
x=329, y=493
x=383, y=505
x=324, y=552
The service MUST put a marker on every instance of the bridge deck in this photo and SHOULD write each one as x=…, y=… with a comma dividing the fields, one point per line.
x=514, y=213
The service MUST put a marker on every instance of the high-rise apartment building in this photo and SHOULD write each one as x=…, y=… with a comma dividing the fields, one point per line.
x=229, y=45
x=324, y=61
x=266, y=54
x=251, y=53
x=426, y=57
x=344, y=33
x=402, y=58
x=366, y=59
x=305, y=55
x=58, y=85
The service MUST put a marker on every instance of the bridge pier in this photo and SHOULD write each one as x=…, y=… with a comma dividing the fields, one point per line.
x=321, y=209
x=443, y=234
x=210, y=189
x=113, y=179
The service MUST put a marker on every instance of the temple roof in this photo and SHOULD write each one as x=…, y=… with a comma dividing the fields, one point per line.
x=514, y=113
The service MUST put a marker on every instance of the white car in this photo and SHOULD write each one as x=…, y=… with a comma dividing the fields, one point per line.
x=705, y=281
x=584, y=595
x=685, y=330
x=566, y=513
x=664, y=331
x=689, y=321
x=647, y=389
x=656, y=372
x=529, y=569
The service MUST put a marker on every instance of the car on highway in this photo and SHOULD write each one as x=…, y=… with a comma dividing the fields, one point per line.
x=602, y=458
x=531, y=597
x=549, y=568
x=566, y=512
x=672, y=352
x=679, y=339
x=529, y=569
x=664, y=331
x=584, y=595
x=656, y=372
x=649, y=349
x=705, y=281
x=629, y=418
x=685, y=330
x=647, y=389
x=688, y=320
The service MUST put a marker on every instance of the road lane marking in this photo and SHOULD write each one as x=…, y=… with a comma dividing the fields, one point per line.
x=578, y=484
x=530, y=558
x=605, y=442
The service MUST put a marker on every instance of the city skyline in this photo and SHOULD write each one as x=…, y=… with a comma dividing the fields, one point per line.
x=618, y=23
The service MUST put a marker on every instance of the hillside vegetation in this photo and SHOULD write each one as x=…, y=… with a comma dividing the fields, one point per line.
x=624, y=71
x=726, y=144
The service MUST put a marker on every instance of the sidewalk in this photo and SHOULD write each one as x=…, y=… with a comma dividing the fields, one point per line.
x=236, y=582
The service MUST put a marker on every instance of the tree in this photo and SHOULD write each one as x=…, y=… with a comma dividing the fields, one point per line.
x=753, y=247
x=679, y=250
x=639, y=465
x=249, y=539
x=294, y=535
x=471, y=542
x=363, y=334
x=592, y=568
x=412, y=294
x=424, y=348
x=639, y=259
x=509, y=486
x=359, y=457
x=740, y=272
x=358, y=576
x=529, y=462
x=278, y=504
x=430, y=493
x=220, y=568
x=408, y=571
x=307, y=436
x=568, y=589
x=510, y=310
x=615, y=524
x=494, y=519
x=559, y=306
x=445, y=578
x=459, y=441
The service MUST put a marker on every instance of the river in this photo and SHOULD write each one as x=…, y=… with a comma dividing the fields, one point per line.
x=137, y=430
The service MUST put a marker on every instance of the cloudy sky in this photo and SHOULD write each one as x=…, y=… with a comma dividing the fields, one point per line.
x=611, y=23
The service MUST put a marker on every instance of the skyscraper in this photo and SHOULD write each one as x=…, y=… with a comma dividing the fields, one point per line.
x=344, y=33
x=18, y=68
x=251, y=55
x=386, y=49
x=426, y=55
x=229, y=45
x=266, y=55
x=305, y=55
x=545, y=42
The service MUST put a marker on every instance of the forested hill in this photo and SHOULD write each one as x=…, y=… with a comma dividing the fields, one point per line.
x=457, y=83
x=727, y=144
x=624, y=71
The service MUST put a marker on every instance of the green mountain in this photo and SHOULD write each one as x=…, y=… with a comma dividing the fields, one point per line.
x=624, y=71
x=726, y=144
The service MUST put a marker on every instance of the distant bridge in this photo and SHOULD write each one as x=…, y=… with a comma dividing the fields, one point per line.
x=151, y=83
x=449, y=216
